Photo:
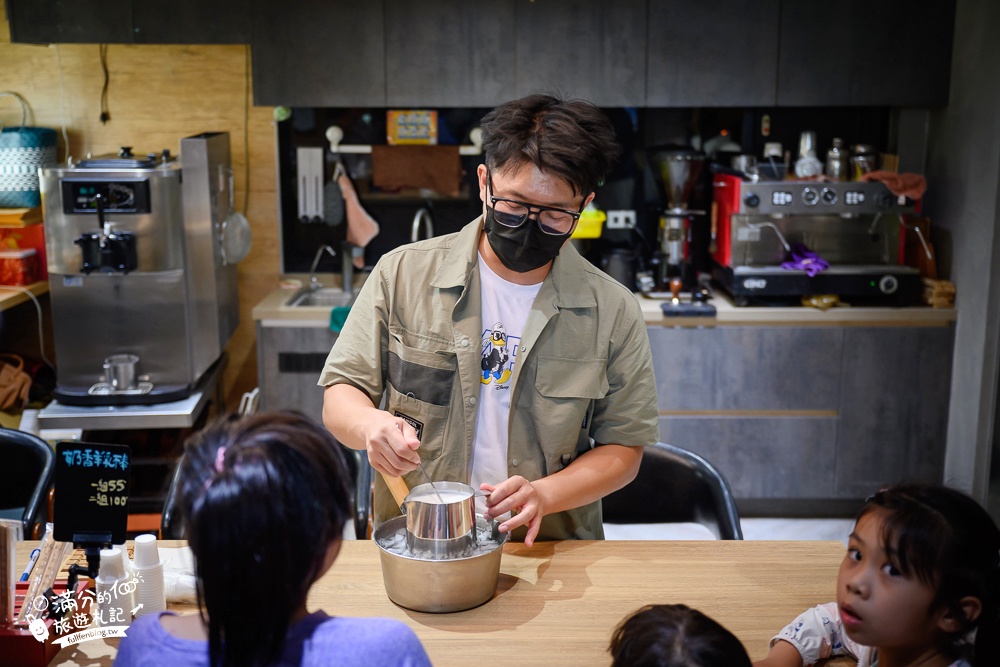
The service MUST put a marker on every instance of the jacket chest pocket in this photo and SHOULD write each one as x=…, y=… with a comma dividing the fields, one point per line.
x=562, y=378
x=566, y=390
x=420, y=384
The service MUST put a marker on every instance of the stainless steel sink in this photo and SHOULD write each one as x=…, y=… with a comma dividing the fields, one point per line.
x=324, y=297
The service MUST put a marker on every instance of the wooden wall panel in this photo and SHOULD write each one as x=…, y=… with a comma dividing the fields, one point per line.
x=158, y=95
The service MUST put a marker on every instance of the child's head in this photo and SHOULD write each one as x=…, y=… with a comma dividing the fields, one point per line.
x=921, y=568
x=674, y=635
x=266, y=498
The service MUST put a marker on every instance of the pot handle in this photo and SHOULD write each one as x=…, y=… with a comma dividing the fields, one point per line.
x=397, y=487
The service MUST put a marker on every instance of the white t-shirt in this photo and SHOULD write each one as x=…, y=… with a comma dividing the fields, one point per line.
x=818, y=634
x=505, y=310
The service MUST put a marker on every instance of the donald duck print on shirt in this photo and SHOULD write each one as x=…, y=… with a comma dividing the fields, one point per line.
x=498, y=359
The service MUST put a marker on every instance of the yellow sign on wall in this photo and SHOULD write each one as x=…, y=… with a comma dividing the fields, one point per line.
x=415, y=126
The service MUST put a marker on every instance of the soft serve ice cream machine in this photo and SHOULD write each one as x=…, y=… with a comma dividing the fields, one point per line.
x=143, y=299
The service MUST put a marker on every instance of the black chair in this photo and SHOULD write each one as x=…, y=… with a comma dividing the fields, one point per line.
x=674, y=485
x=28, y=463
x=363, y=474
x=172, y=520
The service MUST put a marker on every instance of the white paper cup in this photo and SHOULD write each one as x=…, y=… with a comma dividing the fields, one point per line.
x=114, y=602
x=146, y=554
x=150, y=591
x=112, y=566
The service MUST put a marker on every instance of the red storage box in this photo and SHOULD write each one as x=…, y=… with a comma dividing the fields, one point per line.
x=22, y=238
x=18, y=267
x=19, y=648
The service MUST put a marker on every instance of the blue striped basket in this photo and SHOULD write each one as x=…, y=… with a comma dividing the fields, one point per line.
x=23, y=150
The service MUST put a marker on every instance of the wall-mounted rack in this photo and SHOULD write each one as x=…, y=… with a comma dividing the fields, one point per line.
x=334, y=135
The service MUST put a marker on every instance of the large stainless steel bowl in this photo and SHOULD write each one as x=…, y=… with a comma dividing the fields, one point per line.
x=437, y=586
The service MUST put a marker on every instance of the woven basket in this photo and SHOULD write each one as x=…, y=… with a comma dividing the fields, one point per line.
x=23, y=150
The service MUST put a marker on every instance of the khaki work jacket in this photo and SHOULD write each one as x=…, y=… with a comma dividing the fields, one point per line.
x=584, y=375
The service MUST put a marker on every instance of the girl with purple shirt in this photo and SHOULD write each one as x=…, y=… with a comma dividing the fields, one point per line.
x=265, y=499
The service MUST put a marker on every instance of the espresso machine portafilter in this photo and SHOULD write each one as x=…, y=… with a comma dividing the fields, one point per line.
x=675, y=171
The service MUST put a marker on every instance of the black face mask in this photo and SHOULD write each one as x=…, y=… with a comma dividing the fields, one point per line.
x=523, y=248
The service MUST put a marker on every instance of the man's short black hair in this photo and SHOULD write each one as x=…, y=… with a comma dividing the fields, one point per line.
x=572, y=139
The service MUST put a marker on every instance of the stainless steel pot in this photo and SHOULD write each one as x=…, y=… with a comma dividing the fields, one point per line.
x=440, y=517
x=437, y=586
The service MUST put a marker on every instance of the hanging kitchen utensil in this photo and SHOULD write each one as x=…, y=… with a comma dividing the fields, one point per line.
x=234, y=235
x=333, y=199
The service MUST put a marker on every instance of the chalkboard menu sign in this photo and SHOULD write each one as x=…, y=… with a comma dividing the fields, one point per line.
x=91, y=493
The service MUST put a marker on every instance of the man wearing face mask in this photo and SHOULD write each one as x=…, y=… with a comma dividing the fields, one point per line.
x=506, y=360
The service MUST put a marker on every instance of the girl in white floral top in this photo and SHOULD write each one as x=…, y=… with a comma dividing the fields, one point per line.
x=918, y=587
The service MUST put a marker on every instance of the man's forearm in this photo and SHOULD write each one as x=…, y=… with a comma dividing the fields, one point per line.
x=590, y=477
x=343, y=409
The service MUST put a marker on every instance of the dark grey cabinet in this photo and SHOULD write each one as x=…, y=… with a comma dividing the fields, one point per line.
x=70, y=21
x=129, y=21
x=316, y=53
x=894, y=407
x=807, y=413
x=589, y=49
x=289, y=362
x=203, y=22
x=712, y=53
x=449, y=53
x=865, y=52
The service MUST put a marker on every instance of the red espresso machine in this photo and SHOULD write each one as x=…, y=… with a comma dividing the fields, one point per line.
x=856, y=227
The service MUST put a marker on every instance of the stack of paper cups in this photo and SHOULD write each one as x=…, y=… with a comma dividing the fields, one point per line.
x=150, y=594
x=114, y=591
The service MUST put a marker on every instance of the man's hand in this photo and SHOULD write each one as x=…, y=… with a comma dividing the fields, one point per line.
x=518, y=496
x=391, y=444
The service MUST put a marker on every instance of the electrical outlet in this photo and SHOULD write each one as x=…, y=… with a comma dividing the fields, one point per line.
x=620, y=220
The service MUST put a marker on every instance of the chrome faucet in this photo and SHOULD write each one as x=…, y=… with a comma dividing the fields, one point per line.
x=423, y=214
x=314, y=283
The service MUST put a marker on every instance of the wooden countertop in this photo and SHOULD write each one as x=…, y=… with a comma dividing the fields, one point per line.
x=729, y=314
x=557, y=603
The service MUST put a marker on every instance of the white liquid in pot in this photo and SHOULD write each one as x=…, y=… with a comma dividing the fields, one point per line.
x=443, y=497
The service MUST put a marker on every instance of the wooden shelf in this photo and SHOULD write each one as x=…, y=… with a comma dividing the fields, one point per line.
x=11, y=296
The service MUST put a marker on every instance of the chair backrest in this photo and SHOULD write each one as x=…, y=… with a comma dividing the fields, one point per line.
x=674, y=485
x=26, y=465
x=171, y=518
x=172, y=523
x=363, y=475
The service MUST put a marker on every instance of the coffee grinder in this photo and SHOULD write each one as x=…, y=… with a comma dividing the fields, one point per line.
x=676, y=172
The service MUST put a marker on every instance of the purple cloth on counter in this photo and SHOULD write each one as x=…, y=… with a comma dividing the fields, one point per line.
x=804, y=259
x=318, y=639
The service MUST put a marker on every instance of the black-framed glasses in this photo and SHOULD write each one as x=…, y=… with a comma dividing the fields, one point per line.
x=513, y=213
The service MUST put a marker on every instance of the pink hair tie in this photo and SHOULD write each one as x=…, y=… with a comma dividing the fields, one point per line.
x=220, y=456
